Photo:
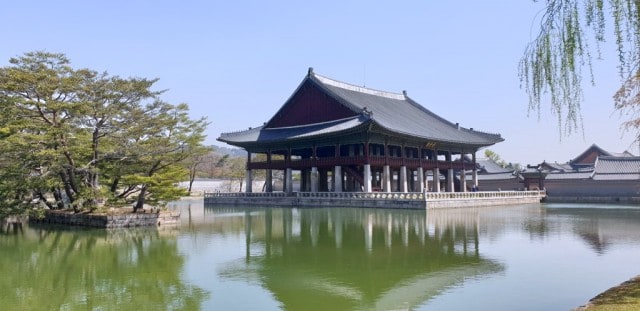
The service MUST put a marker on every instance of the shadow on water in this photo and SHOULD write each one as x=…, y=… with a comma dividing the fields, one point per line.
x=51, y=268
x=338, y=259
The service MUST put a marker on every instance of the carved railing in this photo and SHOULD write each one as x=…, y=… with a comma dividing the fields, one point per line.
x=483, y=195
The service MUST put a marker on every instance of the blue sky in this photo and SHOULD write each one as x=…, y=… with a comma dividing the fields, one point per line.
x=236, y=62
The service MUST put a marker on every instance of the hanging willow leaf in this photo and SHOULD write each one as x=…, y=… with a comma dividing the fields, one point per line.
x=551, y=67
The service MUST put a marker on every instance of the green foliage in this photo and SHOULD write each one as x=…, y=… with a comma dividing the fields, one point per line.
x=70, y=136
x=570, y=31
x=498, y=160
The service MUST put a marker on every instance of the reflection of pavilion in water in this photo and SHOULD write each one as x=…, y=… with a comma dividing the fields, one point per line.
x=600, y=229
x=355, y=258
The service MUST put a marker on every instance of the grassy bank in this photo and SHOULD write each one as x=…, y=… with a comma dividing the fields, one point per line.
x=623, y=297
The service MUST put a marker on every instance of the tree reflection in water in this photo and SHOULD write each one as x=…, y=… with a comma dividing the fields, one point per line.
x=321, y=259
x=94, y=269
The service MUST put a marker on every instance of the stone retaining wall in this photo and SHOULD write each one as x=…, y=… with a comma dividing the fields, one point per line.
x=481, y=202
x=110, y=221
x=593, y=199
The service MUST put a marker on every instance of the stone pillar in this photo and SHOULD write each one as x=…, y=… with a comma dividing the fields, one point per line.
x=337, y=178
x=284, y=181
x=367, y=178
x=386, y=179
x=463, y=180
x=475, y=170
x=426, y=182
x=248, y=175
x=450, y=187
x=403, y=179
x=314, y=179
x=450, y=183
x=268, y=181
x=420, y=180
x=436, y=180
x=248, y=181
x=288, y=180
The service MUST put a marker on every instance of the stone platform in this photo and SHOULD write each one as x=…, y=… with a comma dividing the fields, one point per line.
x=110, y=220
x=410, y=200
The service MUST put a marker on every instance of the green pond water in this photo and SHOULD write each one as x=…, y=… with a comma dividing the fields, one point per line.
x=529, y=257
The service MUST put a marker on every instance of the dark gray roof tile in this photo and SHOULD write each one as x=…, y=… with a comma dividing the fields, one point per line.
x=611, y=167
x=399, y=113
x=291, y=133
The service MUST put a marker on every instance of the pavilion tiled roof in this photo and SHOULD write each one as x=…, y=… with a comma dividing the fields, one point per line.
x=293, y=132
x=399, y=113
x=390, y=111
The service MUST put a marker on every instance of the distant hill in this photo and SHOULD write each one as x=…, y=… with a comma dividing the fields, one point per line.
x=233, y=152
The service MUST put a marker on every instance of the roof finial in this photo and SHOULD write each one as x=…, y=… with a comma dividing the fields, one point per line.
x=310, y=71
x=404, y=92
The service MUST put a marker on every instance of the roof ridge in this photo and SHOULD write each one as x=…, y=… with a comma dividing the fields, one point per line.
x=633, y=158
x=356, y=88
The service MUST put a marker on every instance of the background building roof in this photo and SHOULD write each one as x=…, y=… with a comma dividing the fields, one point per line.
x=611, y=168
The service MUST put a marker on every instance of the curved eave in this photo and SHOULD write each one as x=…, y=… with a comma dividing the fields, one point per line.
x=261, y=135
x=483, y=139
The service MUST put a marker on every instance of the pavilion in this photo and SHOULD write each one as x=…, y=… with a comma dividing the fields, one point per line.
x=346, y=138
